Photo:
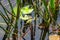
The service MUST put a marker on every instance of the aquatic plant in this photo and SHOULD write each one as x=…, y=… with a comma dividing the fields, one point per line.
x=45, y=9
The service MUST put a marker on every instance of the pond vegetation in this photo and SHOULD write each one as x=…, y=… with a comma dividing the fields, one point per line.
x=29, y=11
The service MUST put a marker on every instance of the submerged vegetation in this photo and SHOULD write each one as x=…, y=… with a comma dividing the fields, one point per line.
x=29, y=11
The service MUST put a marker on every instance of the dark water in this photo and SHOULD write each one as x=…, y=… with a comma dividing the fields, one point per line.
x=5, y=2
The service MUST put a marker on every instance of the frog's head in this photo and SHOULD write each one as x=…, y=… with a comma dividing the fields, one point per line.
x=24, y=12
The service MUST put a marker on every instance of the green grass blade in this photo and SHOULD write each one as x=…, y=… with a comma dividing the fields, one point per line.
x=44, y=1
x=3, y=29
x=5, y=11
x=3, y=16
x=5, y=19
x=11, y=7
x=52, y=4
